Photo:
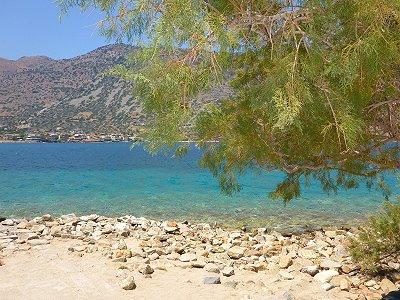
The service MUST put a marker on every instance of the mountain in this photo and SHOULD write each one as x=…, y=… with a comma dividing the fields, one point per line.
x=41, y=94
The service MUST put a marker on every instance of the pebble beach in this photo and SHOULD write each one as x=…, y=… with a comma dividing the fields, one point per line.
x=125, y=257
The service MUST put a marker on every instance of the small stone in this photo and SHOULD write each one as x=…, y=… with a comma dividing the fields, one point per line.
x=285, y=261
x=370, y=283
x=212, y=280
x=210, y=267
x=307, y=253
x=311, y=270
x=344, y=285
x=330, y=233
x=326, y=276
x=288, y=296
x=37, y=242
x=232, y=284
x=228, y=271
x=387, y=286
x=8, y=222
x=186, y=257
x=146, y=269
x=122, y=229
x=154, y=256
x=285, y=275
x=128, y=283
x=327, y=286
x=330, y=264
x=236, y=252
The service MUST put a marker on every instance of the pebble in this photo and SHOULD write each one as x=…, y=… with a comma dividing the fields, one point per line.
x=212, y=280
x=325, y=276
x=37, y=242
x=286, y=275
x=236, y=252
x=228, y=271
x=210, y=267
x=128, y=283
x=285, y=261
x=327, y=286
x=387, y=286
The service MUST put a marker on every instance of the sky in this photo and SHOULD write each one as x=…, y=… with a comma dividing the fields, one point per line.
x=33, y=27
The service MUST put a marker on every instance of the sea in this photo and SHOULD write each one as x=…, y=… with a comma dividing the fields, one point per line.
x=115, y=179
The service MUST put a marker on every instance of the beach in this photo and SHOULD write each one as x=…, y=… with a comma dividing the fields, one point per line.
x=95, y=256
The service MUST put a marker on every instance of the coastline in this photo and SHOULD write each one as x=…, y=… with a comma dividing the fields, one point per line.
x=201, y=259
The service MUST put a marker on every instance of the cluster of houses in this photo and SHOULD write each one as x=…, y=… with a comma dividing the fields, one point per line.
x=73, y=137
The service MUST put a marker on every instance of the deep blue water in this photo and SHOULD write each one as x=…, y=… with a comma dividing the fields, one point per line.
x=111, y=179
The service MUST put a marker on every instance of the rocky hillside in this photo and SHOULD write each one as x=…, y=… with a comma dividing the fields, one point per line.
x=42, y=94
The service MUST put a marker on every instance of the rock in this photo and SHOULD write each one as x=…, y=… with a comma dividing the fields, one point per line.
x=311, y=270
x=387, y=286
x=128, y=283
x=228, y=271
x=236, y=252
x=212, y=280
x=146, y=269
x=8, y=222
x=199, y=263
x=187, y=257
x=37, y=242
x=56, y=231
x=344, y=285
x=288, y=296
x=370, y=283
x=122, y=229
x=154, y=256
x=326, y=276
x=285, y=275
x=330, y=264
x=235, y=235
x=232, y=284
x=47, y=218
x=22, y=225
x=330, y=233
x=38, y=228
x=308, y=253
x=210, y=267
x=327, y=286
x=285, y=261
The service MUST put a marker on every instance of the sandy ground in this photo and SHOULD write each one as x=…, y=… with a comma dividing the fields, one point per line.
x=52, y=272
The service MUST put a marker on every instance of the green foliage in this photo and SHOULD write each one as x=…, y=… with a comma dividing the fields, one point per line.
x=313, y=85
x=379, y=241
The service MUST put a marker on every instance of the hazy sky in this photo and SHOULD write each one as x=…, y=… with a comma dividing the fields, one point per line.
x=33, y=27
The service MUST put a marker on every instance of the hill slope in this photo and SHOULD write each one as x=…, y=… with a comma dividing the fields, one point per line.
x=42, y=94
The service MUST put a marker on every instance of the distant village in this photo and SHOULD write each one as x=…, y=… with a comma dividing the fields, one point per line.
x=58, y=137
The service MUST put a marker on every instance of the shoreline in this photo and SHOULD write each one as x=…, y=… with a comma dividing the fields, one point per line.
x=220, y=263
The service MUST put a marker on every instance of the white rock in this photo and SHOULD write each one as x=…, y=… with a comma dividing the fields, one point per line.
x=311, y=270
x=285, y=275
x=327, y=286
x=326, y=276
x=228, y=271
x=236, y=252
x=210, y=267
x=128, y=283
x=8, y=222
x=37, y=242
x=330, y=264
x=186, y=257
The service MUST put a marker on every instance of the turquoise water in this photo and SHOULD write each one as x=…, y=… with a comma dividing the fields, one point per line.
x=111, y=179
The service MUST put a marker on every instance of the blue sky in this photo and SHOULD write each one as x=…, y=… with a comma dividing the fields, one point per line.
x=33, y=27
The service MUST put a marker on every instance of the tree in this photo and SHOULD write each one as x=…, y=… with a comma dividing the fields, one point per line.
x=313, y=84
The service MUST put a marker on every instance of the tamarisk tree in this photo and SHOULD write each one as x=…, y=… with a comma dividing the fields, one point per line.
x=313, y=85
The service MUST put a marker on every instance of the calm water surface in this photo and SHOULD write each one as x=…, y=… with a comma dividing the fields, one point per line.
x=113, y=180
